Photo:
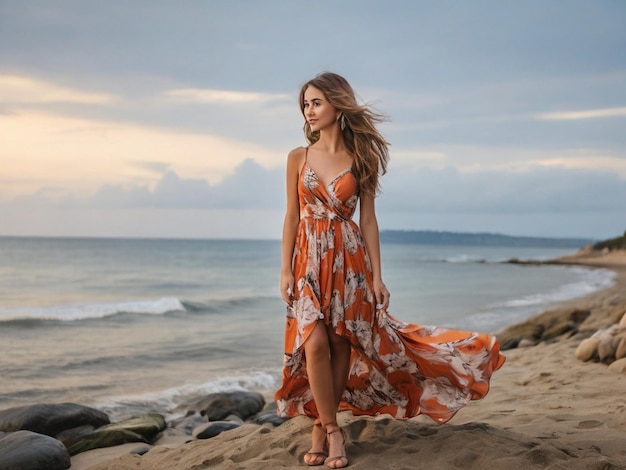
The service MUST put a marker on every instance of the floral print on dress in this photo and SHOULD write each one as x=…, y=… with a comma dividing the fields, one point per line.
x=396, y=368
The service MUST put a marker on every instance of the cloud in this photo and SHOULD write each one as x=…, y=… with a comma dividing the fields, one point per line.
x=550, y=190
x=250, y=186
x=80, y=154
x=585, y=114
x=19, y=89
x=203, y=95
x=551, y=201
x=405, y=189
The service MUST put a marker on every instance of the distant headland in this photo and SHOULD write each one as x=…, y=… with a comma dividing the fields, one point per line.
x=431, y=237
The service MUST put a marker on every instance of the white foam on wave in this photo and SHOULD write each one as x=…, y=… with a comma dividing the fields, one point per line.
x=498, y=316
x=173, y=402
x=83, y=311
x=464, y=258
x=591, y=280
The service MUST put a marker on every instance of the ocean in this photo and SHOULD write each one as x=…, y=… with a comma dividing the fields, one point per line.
x=131, y=326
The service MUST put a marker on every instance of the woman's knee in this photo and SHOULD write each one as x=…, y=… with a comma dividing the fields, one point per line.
x=317, y=344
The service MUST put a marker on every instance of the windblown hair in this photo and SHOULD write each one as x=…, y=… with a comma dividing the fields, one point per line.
x=362, y=139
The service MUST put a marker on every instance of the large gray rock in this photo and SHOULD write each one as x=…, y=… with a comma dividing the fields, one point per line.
x=137, y=429
x=218, y=406
x=100, y=439
x=213, y=428
x=50, y=419
x=26, y=450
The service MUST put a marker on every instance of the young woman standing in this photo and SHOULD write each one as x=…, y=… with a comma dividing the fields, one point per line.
x=343, y=351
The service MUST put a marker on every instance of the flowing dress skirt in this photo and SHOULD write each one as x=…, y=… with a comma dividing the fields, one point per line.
x=395, y=368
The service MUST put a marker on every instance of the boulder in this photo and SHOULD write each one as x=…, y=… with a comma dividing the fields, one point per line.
x=148, y=426
x=213, y=428
x=587, y=349
x=511, y=336
x=618, y=366
x=50, y=419
x=137, y=429
x=218, y=406
x=99, y=439
x=558, y=329
x=606, y=346
x=269, y=416
x=526, y=343
x=620, y=352
x=189, y=422
x=26, y=450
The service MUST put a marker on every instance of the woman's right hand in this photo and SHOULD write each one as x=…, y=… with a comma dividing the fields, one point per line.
x=286, y=288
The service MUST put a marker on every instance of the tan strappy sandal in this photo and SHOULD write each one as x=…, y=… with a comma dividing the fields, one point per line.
x=315, y=458
x=337, y=461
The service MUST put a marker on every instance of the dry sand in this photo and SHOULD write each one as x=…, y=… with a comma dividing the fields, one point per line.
x=545, y=410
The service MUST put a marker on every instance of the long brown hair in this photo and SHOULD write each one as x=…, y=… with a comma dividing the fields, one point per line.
x=362, y=139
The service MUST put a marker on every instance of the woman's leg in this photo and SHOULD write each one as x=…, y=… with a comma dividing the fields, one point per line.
x=319, y=371
x=340, y=363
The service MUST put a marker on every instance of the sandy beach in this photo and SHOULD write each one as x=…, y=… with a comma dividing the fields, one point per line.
x=546, y=410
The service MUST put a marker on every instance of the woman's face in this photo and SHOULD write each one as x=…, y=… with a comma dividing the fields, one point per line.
x=318, y=112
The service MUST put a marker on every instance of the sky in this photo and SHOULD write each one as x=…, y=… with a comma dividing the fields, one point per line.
x=151, y=118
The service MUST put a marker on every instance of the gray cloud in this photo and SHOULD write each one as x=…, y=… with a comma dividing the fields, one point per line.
x=405, y=189
x=249, y=187
x=548, y=190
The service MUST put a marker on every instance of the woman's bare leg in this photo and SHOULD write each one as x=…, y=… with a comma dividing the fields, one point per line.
x=320, y=373
x=340, y=363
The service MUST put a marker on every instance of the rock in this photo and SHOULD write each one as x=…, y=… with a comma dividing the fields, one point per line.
x=526, y=343
x=140, y=450
x=148, y=426
x=218, y=406
x=189, y=423
x=99, y=439
x=213, y=428
x=510, y=343
x=269, y=417
x=137, y=429
x=618, y=366
x=558, y=329
x=587, y=349
x=606, y=346
x=620, y=352
x=26, y=450
x=511, y=337
x=50, y=419
x=74, y=432
x=622, y=322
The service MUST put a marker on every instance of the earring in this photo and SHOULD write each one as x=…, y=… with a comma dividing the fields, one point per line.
x=342, y=122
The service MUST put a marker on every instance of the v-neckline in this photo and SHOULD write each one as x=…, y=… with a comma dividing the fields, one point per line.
x=343, y=172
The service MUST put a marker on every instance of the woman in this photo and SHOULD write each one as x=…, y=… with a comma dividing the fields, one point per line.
x=343, y=351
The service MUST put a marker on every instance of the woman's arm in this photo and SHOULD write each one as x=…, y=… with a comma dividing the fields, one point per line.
x=290, y=225
x=369, y=229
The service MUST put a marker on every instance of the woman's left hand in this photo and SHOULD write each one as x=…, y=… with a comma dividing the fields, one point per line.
x=382, y=295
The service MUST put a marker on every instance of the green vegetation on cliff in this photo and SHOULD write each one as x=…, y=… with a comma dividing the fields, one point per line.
x=618, y=243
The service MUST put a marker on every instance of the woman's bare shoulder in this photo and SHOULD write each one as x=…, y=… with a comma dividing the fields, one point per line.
x=298, y=152
x=296, y=157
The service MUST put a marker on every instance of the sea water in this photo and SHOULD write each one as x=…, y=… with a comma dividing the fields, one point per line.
x=132, y=326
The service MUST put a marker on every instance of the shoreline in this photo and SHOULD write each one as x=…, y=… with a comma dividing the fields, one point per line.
x=545, y=409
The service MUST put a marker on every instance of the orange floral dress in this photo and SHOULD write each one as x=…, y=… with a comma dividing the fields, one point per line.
x=395, y=368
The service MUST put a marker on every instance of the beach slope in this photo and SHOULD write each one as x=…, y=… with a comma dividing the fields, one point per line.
x=545, y=410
